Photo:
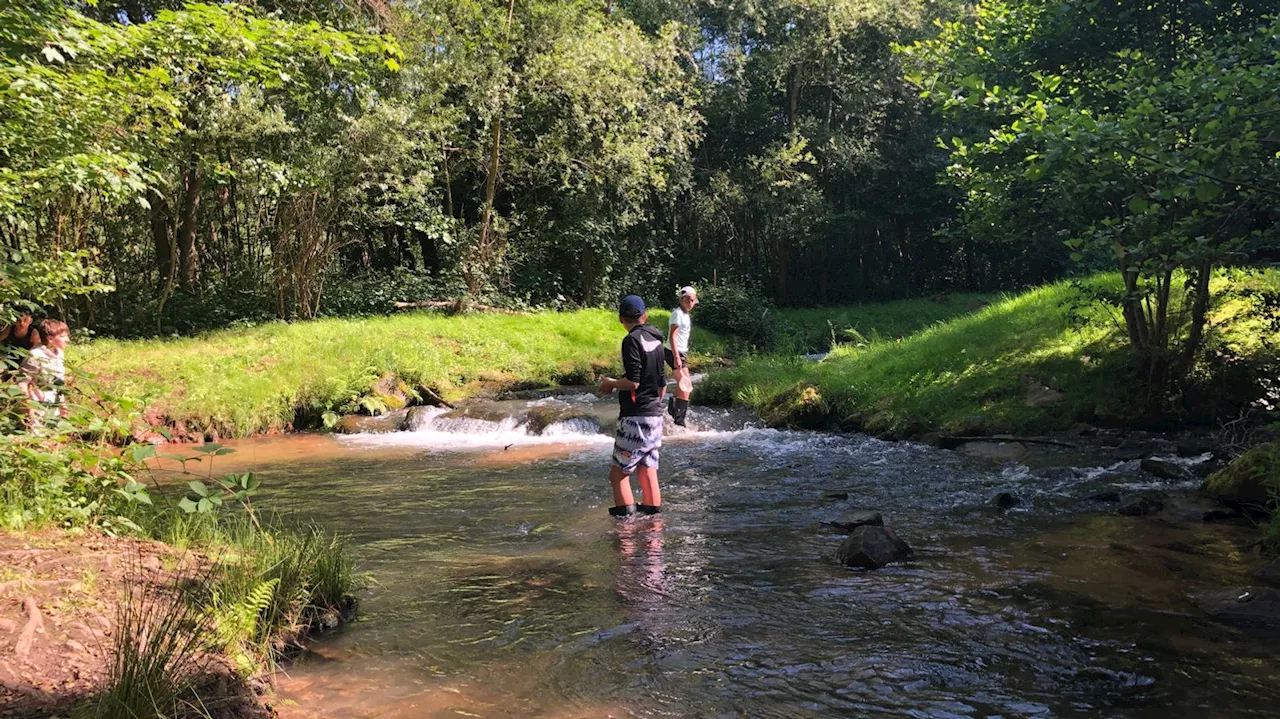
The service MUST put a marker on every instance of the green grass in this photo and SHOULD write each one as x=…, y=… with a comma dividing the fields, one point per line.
x=818, y=329
x=968, y=374
x=244, y=381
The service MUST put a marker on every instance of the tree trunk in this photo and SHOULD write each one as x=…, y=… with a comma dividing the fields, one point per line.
x=491, y=177
x=189, y=251
x=1199, y=315
x=430, y=253
x=161, y=235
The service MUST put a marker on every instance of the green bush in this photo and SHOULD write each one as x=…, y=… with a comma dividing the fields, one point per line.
x=739, y=310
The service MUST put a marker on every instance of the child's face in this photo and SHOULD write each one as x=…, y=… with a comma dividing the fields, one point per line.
x=60, y=341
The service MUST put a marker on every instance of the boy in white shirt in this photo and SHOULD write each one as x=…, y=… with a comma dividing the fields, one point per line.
x=44, y=371
x=678, y=330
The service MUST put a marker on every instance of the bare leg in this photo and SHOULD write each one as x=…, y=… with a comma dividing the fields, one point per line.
x=648, y=477
x=622, y=486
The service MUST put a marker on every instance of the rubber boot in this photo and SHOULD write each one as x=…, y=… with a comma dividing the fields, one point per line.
x=679, y=410
x=648, y=508
x=623, y=510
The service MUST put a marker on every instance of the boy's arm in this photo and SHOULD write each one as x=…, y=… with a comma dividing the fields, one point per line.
x=632, y=367
x=672, y=332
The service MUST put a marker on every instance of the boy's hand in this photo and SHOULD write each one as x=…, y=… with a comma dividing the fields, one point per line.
x=606, y=385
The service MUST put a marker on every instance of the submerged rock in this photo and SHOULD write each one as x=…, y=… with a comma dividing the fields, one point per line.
x=836, y=496
x=1005, y=501
x=1269, y=573
x=1142, y=507
x=850, y=522
x=872, y=547
x=1163, y=469
x=1253, y=609
x=539, y=419
x=382, y=424
x=999, y=451
x=1225, y=514
x=1249, y=479
x=1109, y=496
x=481, y=409
x=420, y=417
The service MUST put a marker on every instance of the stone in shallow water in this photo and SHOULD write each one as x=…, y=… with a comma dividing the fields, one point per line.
x=871, y=547
x=360, y=424
x=1110, y=496
x=1269, y=573
x=1005, y=500
x=1171, y=471
x=1142, y=507
x=850, y=522
x=1253, y=609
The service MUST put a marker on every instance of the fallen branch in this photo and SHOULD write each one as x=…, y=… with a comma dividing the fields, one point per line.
x=434, y=398
x=28, y=636
x=454, y=306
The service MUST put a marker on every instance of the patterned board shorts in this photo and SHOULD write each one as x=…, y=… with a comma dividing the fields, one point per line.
x=639, y=441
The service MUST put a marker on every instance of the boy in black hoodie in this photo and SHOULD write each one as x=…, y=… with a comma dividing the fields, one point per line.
x=640, y=394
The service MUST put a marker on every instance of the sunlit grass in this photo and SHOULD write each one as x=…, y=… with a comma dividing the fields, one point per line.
x=972, y=373
x=242, y=381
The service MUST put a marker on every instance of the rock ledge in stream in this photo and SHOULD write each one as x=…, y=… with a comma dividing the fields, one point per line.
x=1164, y=469
x=1142, y=507
x=850, y=522
x=1270, y=573
x=382, y=424
x=872, y=547
x=1005, y=501
x=1253, y=609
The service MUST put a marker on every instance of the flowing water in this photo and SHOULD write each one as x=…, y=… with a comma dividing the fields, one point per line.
x=505, y=590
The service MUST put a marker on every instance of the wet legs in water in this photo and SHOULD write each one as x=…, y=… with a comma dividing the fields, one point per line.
x=624, y=502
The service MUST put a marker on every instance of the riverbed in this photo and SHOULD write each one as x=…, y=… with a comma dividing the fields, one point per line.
x=504, y=589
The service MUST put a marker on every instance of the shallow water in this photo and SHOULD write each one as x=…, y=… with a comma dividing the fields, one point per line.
x=504, y=589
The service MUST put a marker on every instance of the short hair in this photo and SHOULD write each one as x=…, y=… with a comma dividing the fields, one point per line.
x=51, y=328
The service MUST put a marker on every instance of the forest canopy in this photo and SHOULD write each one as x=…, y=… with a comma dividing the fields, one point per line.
x=211, y=163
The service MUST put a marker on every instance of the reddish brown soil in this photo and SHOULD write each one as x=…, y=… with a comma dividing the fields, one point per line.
x=60, y=596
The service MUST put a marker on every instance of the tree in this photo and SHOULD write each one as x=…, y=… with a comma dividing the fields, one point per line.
x=1163, y=161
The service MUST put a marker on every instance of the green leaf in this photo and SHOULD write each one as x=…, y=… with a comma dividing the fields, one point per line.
x=224, y=451
x=142, y=452
x=1207, y=191
x=209, y=448
x=199, y=488
x=1139, y=205
x=187, y=506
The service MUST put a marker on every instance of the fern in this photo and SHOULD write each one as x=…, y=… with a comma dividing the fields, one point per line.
x=236, y=626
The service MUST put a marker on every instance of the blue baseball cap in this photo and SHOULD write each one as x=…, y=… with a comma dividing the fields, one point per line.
x=631, y=307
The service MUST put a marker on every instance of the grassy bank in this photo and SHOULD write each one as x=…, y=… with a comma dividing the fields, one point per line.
x=820, y=329
x=152, y=603
x=245, y=381
x=1022, y=363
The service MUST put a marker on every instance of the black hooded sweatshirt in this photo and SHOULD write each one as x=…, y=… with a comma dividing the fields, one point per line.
x=643, y=363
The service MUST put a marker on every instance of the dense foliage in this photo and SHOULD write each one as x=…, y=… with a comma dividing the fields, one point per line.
x=1142, y=137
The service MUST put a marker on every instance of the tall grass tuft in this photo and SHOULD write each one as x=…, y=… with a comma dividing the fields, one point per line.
x=157, y=655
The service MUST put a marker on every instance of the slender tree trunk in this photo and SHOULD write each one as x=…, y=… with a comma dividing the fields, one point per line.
x=1199, y=315
x=189, y=251
x=161, y=234
x=491, y=178
x=430, y=253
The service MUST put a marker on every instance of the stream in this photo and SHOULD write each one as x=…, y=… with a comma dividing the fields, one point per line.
x=503, y=588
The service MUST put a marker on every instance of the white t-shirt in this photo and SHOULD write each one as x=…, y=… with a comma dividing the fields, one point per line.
x=681, y=319
x=45, y=369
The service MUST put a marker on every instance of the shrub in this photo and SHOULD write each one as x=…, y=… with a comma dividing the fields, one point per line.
x=740, y=310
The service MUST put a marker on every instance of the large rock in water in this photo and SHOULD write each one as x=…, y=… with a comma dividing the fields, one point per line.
x=382, y=424
x=850, y=522
x=1249, y=479
x=800, y=406
x=1142, y=507
x=1270, y=573
x=871, y=547
x=1253, y=609
x=1165, y=469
